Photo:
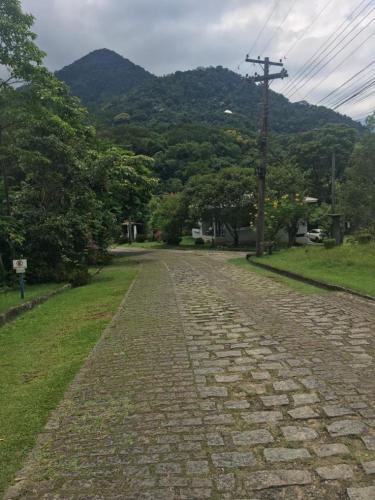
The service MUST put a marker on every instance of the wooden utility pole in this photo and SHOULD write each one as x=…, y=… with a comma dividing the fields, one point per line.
x=333, y=182
x=262, y=170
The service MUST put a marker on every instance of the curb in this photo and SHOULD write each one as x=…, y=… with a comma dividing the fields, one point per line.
x=16, y=311
x=309, y=281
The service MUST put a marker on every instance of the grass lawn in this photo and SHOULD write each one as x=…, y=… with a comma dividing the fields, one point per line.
x=12, y=298
x=42, y=351
x=298, y=286
x=352, y=266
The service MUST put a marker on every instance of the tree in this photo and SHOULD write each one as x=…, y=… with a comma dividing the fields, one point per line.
x=18, y=52
x=357, y=192
x=285, y=206
x=20, y=59
x=168, y=216
x=227, y=196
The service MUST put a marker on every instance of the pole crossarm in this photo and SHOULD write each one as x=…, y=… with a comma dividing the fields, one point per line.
x=259, y=61
x=274, y=76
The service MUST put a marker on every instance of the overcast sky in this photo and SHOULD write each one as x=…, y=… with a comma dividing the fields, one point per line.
x=168, y=35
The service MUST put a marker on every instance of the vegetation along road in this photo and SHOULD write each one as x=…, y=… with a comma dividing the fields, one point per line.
x=216, y=382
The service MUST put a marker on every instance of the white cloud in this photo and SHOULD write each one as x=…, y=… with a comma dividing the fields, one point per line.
x=170, y=35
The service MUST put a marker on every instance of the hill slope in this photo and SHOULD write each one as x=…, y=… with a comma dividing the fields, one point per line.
x=101, y=75
x=111, y=85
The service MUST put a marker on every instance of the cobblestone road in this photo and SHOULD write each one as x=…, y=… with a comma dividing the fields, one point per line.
x=213, y=382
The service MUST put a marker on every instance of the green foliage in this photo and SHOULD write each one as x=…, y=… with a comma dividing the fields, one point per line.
x=18, y=52
x=201, y=96
x=351, y=266
x=363, y=237
x=63, y=193
x=312, y=153
x=357, y=192
x=42, y=351
x=329, y=243
x=227, y=195
x=168, y=216
x=102, y=75
x=79, y=277
x=286, y=187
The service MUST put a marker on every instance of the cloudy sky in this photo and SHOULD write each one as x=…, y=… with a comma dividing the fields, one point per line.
x=168, y=35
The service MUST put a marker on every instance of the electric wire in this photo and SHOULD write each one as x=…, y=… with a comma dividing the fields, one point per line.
x=260, y=33
x=370, y=83
x=339, y=65
x=307, y=29
x=345, y=83
x=270, y=40
x=320, y=54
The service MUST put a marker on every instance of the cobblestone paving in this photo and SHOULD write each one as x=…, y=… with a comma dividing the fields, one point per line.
x=213, y=382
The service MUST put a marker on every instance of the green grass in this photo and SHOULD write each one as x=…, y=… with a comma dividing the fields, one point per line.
x=351, y=266
x=42, y=351
x=298, y=286
x=12, y=298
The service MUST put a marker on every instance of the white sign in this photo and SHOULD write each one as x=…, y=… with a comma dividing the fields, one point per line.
x=20, y=265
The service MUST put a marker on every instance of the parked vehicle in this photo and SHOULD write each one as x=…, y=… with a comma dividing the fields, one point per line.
x=316, y=235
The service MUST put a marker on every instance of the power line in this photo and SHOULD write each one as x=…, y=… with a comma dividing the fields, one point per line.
x=313, y=61
x=361, y=98
x=353, y=87
x=358, y=92
x=279, y=26
x=294, y=44
x=339, y=65
x=260, y=33
x=345, y=83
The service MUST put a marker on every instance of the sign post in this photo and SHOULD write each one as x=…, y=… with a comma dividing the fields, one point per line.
x=20, y=267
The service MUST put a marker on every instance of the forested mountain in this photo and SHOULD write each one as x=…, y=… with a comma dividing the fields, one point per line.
x=101, y=75
x=121, y=92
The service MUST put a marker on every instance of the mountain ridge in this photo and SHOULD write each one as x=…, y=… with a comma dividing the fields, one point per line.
x=109, y=75
x=117, y=90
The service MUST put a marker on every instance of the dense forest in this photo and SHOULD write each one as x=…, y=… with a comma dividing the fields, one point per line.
x=118, y=91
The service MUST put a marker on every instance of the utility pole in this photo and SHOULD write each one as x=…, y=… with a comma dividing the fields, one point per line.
x=333, y=182
x=262, y=170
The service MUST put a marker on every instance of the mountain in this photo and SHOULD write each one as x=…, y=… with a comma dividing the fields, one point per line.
x=101, y=75
x=118, y=91
x=216, y=96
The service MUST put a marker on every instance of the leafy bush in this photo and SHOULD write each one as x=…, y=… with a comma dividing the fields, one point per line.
x=168, y=214
x=199, y=241
x=79, y=277
x=329, y=243
x=363, y=237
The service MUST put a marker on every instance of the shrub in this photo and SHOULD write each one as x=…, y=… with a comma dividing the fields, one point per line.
x=199, y=241
x=329, y=243
x=79, y=277
x=363, y=237
x=141, y=238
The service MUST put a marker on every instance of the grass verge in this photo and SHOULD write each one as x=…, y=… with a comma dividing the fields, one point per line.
x=351, y=266
x=42, y=351
x=298, y=286
x=12, y=298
